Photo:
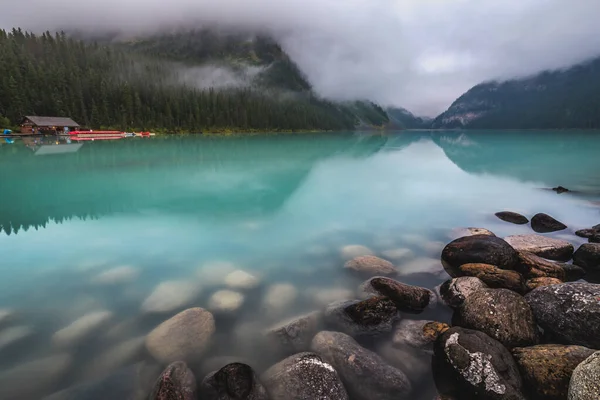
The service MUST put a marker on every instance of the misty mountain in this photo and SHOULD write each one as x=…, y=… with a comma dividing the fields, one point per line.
x=404, y=119
x=550, y=100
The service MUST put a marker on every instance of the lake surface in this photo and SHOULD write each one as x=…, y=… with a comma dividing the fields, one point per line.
x=94, y=229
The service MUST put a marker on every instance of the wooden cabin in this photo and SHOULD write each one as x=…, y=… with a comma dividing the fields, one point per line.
x=34, y=125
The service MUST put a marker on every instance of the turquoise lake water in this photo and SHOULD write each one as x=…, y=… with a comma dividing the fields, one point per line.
x=96, y=228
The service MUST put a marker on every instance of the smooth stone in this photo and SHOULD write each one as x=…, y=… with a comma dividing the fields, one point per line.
x=365, y=374
x=116, y=276
x=573, y=272
x=294, y=335
x=225, y=301
x=546, y=369
x=586, y=233
x=397, y=255
x=494, y=277
x=587, y=256
x=594, y=238
x=241, y=280
x=6, y=315
x=280, y=297
x=534, y=283
x=303, y=376
x=560, y=189
x=462, y=232
x=371, y=317
x=170, y=295
x=34, y=378
x=418, y=334
x=500, y=313
x=512, y=217
x=214, y=272
x=585, y=381
x=176, y=382
x=355, y=250
x=543, y=223
x=469, y=364
x=407, y=298
x=214, y=364
x=324, y=296
x=79, y=329
x=232, y=382
x=117, y=356
x=543, y=246
x=14, y=334
x=422, y=265
x=570, y=311
x=184, y=337
x=532, y=266
x=478, y=249
x=123, y=329
x=370, y=266
x=455, y=291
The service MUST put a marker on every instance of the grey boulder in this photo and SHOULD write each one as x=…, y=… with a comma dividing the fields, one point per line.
x=587, y=256
x=454, y=291
x=585, y=381
x=543, y=246
x=543, y=223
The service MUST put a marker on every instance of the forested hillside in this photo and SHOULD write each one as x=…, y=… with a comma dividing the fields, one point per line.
x=550, y=100
x=146, y=84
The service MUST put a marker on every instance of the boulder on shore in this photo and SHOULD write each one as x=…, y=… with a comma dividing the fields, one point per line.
x=470, y=364
x=365, y=374
x=454, y=291
x=543, y=246
x=176, y=382
x=587, y=256
x=370, y=317
x=370, y=266
x=543, y=223
x=569, y=311
x=295, y=334
x=585, y=381
x=478, y=249
x=303, y=376
x=462, y=232
x=232, y=382
x=512, y=217
x=407, y=298
x=500, y=313
x=595, y=238
x=494, y=277
x=586, y=233
x=546, y=369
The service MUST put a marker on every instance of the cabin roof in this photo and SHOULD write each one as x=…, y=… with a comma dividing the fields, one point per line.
x=52, y=121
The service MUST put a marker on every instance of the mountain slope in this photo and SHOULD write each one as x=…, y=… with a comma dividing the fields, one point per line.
x=404, y=119
x=550, y=100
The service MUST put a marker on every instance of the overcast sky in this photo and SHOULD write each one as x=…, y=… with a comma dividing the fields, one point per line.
x=419, y=54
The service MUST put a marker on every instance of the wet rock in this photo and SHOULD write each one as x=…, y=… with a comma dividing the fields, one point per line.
x=365, y=374
x=587, y=256
x=570, y=311
x=560, y=189
x=214, y=272
x=585, y=381
x=355, y=250
x=586, y=233
x=118, y=275
x=512, y=217
x=184, y=337
x=478, y=249
x=454, y=291
x=295, y=334
x=370, y=317
x=232, y=382
x=113, y=358
x=502, y=314
x=34, y=378
x=397, y=255
x=81, y=328
x=214, y=364
x=407, y=298
x=371, y=266
x=225, y=301
x=494, y=277
x=543, y=223
x=170, y=295
x=573, y=272
x=594, y=238
x=553, y=249
x=462, y=232
x=177, y=382
x=241, y=280
x=546, y=369
x=14, y=334
x=415, y=364
x=303, y=376
x=532, y=266
x=534, y=283
x=469, y=364
x=279, y=297
x=324, y=296
x=418, y=334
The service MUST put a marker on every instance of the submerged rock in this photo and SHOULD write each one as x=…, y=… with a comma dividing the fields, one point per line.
x=470, y=364
x=570, y=311
x=303, y=376
x=418, y=334
x=401, y=254
x=542, y=281
x=295, y=334
x=232, y=382
x=543, y=246
x=365, y=374
x=115, y=357
x=116, y=276
x=478, y=249
x=225, y=301
x=14, y=334
x=494, y=277
x=81, y=328
x=543, y=223
x=34, y=378
x=371, y=266
x=560, y=189
x=546, y=369
x=585, y=381
x=279, y=297
x=177, y=382
x=240, y=279
x=324, y=296
x=512, y=217
x=184, y=337
x=170, y=296
x=355, y=250
x=370, y=317
x=454, y=291
x=500, y=313
x=407, y=298
x=587, y=256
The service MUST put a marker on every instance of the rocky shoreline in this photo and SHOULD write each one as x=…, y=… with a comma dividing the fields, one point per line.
x=524, y=323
